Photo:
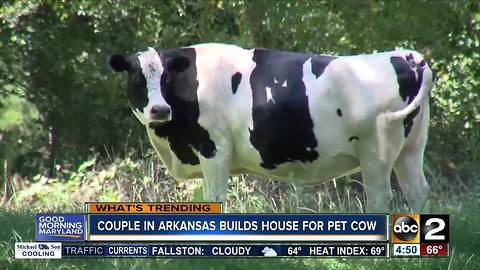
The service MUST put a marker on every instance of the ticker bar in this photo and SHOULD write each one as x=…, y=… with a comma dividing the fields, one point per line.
x=225, y=250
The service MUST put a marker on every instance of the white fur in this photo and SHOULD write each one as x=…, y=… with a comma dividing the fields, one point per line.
x=269, y=94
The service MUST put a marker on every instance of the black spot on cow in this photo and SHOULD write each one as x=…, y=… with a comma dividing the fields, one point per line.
x=319, y=63
x=409, y=78
x=236, y=78
x=408, y=121
x=179, y=88
x=353, y=138
x=137, y=91
x=339, y=112
x=282, y=125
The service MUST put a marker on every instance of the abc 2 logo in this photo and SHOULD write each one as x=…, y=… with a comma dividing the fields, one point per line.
x=416, y=229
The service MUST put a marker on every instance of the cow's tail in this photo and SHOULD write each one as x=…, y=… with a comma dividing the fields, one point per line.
x=424, y=91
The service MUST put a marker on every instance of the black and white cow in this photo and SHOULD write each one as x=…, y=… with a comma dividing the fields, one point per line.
x=212, y=110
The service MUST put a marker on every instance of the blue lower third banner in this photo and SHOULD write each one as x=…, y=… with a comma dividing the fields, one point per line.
x=224, y=250
x=238, y=227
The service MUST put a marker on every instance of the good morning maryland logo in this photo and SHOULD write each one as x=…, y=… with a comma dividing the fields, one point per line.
x=60, y=227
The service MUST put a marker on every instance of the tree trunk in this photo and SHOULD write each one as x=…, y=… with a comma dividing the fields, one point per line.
x=6, y=183
x=52, y=145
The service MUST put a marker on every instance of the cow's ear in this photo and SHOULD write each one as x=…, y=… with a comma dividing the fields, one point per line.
x=118, y=62
x=178, y=64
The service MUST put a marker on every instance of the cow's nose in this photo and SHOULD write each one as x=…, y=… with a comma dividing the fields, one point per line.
x=158, y=112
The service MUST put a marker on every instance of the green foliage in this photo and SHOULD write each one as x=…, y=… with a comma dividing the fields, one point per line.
x=54, y=56
x=61, y=104
x=20, y=131
x=18, y=122
x=122, y=179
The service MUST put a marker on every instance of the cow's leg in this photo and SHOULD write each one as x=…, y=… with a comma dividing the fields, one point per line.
x=409, y=165
x=377, y=154
x=216, y=171
x=376, y=182
x=409, y=171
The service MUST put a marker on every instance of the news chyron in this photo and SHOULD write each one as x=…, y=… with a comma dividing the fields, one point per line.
x=202, y=229
x=420, y=235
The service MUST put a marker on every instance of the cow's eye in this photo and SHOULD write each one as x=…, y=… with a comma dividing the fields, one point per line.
x=140, y=82
x=137, y=90
x=165, y=78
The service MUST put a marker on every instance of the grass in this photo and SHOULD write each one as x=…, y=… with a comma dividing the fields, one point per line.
x=129, y=180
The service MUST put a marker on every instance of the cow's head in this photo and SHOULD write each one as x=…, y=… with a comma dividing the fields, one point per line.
x=147, y=72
